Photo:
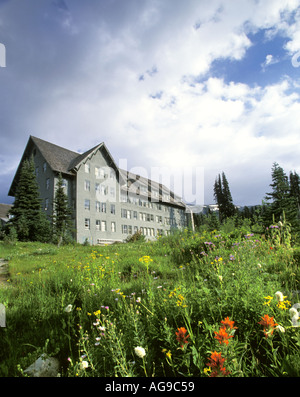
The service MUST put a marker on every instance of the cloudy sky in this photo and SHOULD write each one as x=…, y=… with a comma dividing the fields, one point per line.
x=189, y=85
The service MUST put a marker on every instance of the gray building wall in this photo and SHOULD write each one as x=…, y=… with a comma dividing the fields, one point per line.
x=108, y=211
x=105, y=206
x=97, y=201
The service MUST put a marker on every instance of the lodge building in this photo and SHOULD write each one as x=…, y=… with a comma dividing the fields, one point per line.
x=108, y=203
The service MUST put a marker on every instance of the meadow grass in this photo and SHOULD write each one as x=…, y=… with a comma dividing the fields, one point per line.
x=195, y=304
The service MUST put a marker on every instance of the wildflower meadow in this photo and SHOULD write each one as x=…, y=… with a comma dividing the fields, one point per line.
x=209, y=304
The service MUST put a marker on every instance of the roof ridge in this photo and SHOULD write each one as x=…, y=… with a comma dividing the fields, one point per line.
x=34, y=138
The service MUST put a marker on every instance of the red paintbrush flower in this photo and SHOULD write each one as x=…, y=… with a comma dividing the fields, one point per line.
x=228, y=324
x=181, y=336
x=222, y=336
x=269, y=324
x=216, y=363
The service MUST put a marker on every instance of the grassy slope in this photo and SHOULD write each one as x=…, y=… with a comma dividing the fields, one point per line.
x=151, y=289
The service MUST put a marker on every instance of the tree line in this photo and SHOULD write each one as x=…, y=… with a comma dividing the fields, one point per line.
x=29, y=222
x=282, y=202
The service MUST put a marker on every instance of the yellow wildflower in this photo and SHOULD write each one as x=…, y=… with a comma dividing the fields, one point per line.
x=207, y=370
x=269, y=299
x=283, y=305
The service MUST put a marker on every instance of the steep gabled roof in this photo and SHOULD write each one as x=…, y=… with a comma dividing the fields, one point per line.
x=82, y=158
x=58, y=158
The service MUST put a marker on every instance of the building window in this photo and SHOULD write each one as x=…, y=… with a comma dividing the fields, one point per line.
x=103, y=190
x=87, y=185
x=97, y=172
x=87, y=204
x=143, y=216
x=47, y=183
x=125, y=213
x=87, y=168
x=103, y=207
x=113, y=192
x=134, y=214
x=87, y=223
x=37, y=171
x=64, y=183
x=123, y=198
x=45, y=167
x=97, y=225
x=124, y=229
x=46, y=204
x=113, y=227
x=100, y=172
x=103, y=226
x=98, y=206
x=113, y=209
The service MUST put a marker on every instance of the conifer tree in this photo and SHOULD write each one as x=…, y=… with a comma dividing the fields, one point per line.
x=229, y=209
x=218, y=193
x=277, y=200
x=28, y=219
x=223, y=197
x=61, y=213
x=295, y=189
x=283, y=201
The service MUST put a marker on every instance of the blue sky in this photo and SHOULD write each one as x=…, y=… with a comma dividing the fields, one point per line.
x=178, y=85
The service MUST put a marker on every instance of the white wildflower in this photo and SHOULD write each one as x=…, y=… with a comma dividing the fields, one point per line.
x=295, y=321
x=84, y=364
x=280, y=328
x=295, y=315
x=294, y=312
x=140, y=351
x=279, y=296
x=68, y=308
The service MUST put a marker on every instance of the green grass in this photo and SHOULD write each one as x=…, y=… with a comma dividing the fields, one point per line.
x=139, y=294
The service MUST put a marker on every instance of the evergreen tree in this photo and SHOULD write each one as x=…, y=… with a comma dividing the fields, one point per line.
x=223, y=197
x=28, y=219
x=279, y=200
x=229, y=209
x=61, y=213
x=284, y=199
x=218, y=194
x=295, y=189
